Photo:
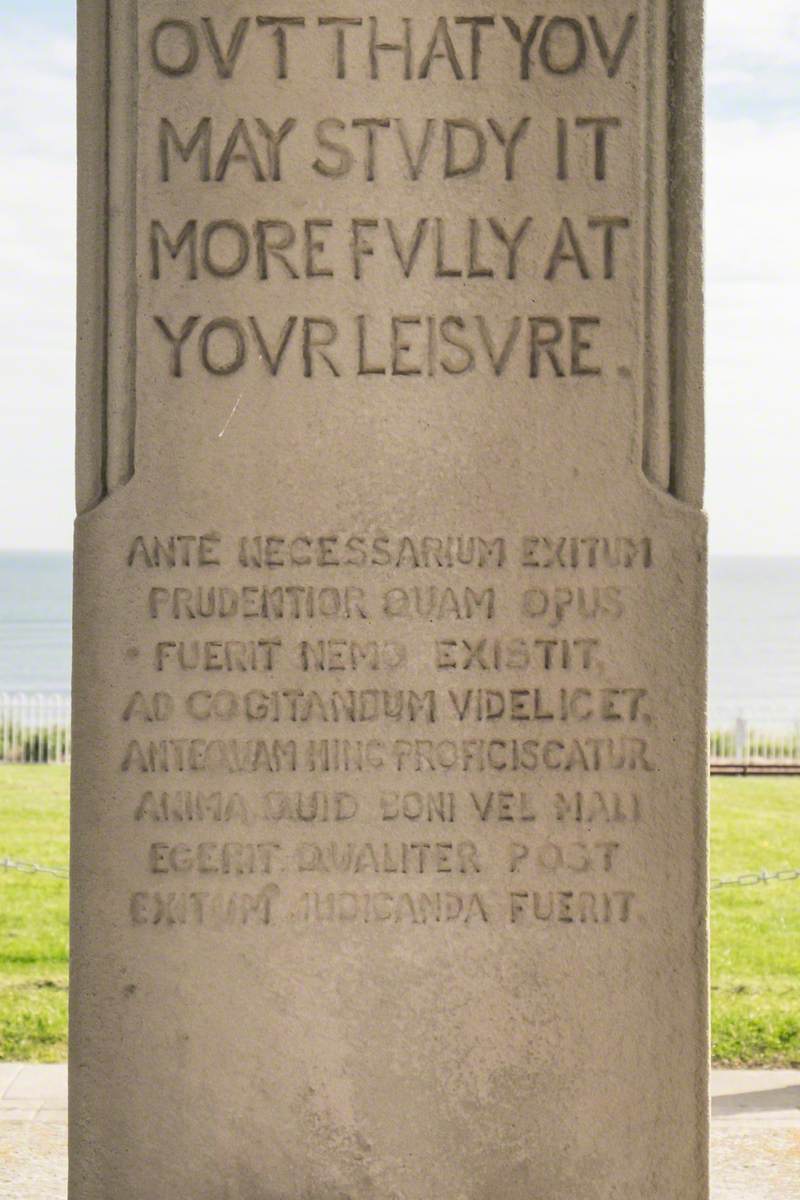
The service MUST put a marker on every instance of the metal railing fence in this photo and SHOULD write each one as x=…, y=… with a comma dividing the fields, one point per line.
x=35, y=727
x=755, y=746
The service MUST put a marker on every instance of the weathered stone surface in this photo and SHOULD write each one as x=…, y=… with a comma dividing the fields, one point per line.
x=389, y=794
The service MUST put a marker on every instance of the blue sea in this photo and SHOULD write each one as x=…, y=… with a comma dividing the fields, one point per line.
x=754, y=668
x=35, y=621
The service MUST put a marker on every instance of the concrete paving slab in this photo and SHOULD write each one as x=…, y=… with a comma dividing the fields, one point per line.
x=750, y=1096
x=8, y=1073
x=754, y=1163
x=52, y=1116
x=13, y=1114
x=45, y=1083
x=33, y=1161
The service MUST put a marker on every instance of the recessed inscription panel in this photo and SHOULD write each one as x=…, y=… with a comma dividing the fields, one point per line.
x=389, y=824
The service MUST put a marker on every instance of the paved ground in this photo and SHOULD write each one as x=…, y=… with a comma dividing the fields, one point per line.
x=33, y=1132
x=755, y=1135
x=755, y=1138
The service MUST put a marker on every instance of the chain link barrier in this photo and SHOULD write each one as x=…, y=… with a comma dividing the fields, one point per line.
x=749, y=879
x=11, y=864
x=752, y=878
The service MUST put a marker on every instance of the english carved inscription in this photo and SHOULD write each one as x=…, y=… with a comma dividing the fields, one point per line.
x=575, y=253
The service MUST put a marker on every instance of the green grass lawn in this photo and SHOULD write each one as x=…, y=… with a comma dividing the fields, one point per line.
x=755, y=953
x=755, y=931
x=34, y=948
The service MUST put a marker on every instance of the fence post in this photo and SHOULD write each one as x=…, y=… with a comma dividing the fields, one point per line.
x=740, y=736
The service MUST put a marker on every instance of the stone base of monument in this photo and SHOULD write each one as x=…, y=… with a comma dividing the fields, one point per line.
x=755, y=1133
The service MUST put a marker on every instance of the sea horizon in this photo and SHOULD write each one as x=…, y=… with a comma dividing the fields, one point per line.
x=754, y=631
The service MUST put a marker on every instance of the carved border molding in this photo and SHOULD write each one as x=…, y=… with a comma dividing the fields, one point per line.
x=672, y=425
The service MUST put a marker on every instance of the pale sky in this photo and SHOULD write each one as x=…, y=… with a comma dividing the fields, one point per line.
x=753, y=274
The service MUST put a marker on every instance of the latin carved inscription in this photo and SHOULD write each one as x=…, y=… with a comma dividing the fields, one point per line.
x=510, y=733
